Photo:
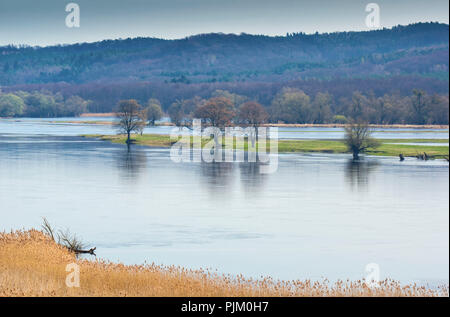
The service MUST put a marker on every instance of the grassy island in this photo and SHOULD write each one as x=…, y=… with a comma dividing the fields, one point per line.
x=388, y=147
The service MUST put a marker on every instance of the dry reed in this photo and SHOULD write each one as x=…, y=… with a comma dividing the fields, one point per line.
x=33, y=264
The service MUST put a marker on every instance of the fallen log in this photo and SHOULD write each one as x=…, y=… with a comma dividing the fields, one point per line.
x=90, y=251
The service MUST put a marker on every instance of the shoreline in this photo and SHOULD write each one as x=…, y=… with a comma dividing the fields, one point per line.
x=22, y=254
x=97, y=114
x=275, y=125
x=306, y=125
x=388, y=147
x=341, y=125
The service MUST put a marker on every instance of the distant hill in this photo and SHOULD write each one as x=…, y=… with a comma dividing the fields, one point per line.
x=414, y=50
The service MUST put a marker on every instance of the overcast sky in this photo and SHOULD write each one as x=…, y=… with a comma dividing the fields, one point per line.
x=42, y=22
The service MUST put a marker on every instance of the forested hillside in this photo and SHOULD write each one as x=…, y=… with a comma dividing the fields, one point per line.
x=415, y=49
x=388, y=63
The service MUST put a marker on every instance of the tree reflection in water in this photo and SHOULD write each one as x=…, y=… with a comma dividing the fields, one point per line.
x=131, y=162
x=218, y=176
x=252, y=180
x=357, y=173
x=223, y=178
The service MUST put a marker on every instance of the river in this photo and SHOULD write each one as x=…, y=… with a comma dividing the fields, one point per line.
x=318, y=216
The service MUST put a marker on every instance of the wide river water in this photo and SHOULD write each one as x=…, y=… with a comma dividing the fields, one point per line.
x=65, y=126
x=318, y=216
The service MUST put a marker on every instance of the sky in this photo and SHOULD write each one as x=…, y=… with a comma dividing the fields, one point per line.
x=42, y=22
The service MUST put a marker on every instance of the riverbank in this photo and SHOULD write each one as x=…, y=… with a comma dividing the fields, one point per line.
x=97, y=115
x=342, y=125
x=279, y=125
x=33, y=264
x=100, y=122
x=388, y=147
x=399, y=128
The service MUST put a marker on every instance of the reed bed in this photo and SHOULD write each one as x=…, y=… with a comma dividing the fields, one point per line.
x=33, y=264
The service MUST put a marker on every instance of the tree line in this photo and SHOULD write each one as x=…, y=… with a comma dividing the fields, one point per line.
x=223, y=111
x=41, y=104
x=218, y=111
x=295, y=106
x=105, y=97
x=290, y=105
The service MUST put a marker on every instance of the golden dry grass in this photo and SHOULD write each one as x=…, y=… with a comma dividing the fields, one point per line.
x=32, y=264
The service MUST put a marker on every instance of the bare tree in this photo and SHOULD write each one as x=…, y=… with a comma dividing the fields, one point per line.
x=132, y=118
x=419, y=106
x=253, y=114
x=358, y=138
x=181, y=112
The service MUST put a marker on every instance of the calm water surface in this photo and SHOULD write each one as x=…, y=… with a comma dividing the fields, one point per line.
x=317, y=216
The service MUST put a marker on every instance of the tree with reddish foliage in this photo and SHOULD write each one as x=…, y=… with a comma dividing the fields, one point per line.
x=253, y=114
x=217, y=112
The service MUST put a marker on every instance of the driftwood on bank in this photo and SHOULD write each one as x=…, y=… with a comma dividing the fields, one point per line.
x=90, y=251
x=424, y=156
x=66, y=239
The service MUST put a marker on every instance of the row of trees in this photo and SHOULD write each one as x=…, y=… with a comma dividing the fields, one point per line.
x=105, y=97
x=225, y=109
x=292, y=105
x=217, y=112
x=220, y=112
x=41, y=104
